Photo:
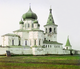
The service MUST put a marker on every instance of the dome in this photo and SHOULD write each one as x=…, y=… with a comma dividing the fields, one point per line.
x=29, y=15
x=21, y=22
x=35, y=21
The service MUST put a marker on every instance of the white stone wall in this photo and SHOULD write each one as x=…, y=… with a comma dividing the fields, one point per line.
x=4, y=40
x=26, y=22
x=53, y=49
x=52, y=36
x=20, y=51
x=16, y=40
x=3, y=51
x=7, y=40
x=78, y=52
x=51, y=26
x=68, y=47
x=36, y=35
x=38, y=51
x=23, y=36
x=36, y=26
x=21, y=26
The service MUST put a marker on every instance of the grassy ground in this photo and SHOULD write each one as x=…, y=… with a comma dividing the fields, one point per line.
x=40, y=62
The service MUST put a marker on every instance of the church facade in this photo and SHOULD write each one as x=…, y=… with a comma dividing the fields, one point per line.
x=29, y=39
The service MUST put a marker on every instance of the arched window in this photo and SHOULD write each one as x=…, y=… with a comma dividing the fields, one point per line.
x=25, y=26
x=39, y=41
x=34, y=42
x=50, y=45
x=46, y=30
x=13, y=42
x=50, y=30
x=54, y=30
x=66, y=47
x=28, y=25
x=32, y=26
x=19, y=42
x=25, y=42
x=46, y=46
x=44, y=38
x=30, y=42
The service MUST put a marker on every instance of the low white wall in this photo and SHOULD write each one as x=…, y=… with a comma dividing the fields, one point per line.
x=3, y=51
x=78, y=52
x=38, y=51
x=20, y=51
x=34, y=51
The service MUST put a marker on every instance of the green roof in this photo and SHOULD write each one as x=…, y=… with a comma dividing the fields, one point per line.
x=36, y=30
x=18, y=46
x=36, y=21
x=9, y=34
x=50, y=20
x=51, y=42
x=22, y=30
x=68, y=42
x=29, y=15
x=50, y=25
x=21, y=22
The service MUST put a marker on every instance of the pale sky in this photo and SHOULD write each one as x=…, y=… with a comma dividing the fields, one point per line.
x=66, y=14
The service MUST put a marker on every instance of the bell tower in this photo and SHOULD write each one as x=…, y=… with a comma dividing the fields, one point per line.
x=50, y=28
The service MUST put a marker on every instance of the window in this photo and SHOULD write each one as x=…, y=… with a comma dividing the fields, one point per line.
x=54, y=30
x=25, y=26
x=30, y=42
x=66, y=47
x=50, y=30
x=25, y=42
x=32, y=25
x=44, y=38
x=28, y=25
x=49, y=40
x=46, y=30
x=50, y=45
x=57, y=46
x=19, y=42
x=13, y=42
x=39, y=41
x=34, y=42
x=46, y=46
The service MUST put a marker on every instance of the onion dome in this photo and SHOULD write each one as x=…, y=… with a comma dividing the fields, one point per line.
x=29, y=15
x=21, y=22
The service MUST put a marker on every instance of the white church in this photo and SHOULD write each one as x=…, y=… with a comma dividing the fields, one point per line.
x=29, y=39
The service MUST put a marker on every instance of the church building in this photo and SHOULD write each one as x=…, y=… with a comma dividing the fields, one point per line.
x=29, y=39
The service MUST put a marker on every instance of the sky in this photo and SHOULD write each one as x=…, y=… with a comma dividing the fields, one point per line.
x=66, y=14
